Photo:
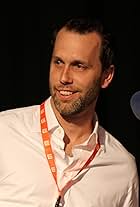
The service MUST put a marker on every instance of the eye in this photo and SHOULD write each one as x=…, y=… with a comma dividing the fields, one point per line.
x=57, y=61
x=80, y=66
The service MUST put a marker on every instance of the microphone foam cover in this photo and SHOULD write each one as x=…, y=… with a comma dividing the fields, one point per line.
x=135, y=104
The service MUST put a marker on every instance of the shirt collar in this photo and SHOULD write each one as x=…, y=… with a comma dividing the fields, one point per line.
x=53, y=124
x=93, y=138
x=50, y=116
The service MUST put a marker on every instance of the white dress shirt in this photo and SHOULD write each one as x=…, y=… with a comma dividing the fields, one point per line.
x=110, y=180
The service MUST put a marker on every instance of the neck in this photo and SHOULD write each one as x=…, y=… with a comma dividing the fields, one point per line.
x=78, y=127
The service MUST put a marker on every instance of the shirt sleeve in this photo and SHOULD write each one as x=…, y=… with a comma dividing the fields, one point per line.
x=132, y=198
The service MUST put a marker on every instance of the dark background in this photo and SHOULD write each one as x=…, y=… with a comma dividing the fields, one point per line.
x=25, y=33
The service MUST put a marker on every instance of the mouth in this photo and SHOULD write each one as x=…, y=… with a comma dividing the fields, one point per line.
x=66, y=94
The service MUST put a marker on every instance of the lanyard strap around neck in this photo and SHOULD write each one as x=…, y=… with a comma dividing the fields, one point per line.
x=48, y=149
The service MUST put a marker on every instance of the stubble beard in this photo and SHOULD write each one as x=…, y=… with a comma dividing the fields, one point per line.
x=79, y=105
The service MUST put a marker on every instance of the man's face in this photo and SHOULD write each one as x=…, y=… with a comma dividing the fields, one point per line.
x=75, y=72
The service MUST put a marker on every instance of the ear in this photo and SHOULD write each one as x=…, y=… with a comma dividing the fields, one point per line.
x=107, y=76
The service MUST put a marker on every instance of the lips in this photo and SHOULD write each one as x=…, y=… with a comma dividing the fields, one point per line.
x=66, y=93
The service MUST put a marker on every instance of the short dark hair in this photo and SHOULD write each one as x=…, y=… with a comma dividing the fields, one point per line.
x=88, y=25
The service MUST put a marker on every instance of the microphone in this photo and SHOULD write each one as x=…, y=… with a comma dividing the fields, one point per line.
x=135, y=104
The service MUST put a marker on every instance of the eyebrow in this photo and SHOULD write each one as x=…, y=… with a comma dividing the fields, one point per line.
x=79, y=62
x=74, y=62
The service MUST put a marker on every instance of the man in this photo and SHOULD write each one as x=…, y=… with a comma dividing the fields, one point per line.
x=56, y=154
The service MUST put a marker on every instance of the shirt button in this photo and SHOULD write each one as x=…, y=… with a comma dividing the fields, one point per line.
x=65, y=174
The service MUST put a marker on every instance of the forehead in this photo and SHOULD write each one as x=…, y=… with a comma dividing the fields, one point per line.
x=73, y=41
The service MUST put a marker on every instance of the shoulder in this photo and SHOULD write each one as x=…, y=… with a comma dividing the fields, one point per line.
x=17, y=111
x=17, y=115
x=118, y=153
x=112, y=142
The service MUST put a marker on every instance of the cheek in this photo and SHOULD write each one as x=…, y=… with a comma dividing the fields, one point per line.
x=83, y=84
x=51, y=79
x=86, y=80
x=91, y=84
x=52, y=76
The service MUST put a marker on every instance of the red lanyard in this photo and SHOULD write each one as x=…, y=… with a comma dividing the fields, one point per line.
x=48, y=149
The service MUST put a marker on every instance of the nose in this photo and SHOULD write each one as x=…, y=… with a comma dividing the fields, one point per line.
x=66, y=76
